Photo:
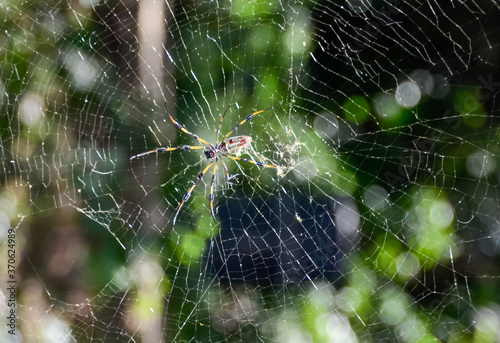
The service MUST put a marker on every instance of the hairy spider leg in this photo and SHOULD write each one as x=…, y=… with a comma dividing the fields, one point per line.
x=211, y=197
x=249, y=117
x=260, y=164
x=183, y=129
x=188, y=194
x=220, y=124
x=226, y=171
x=164, y=149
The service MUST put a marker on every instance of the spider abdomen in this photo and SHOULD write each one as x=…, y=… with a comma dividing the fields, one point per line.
x=228, y=146
x=234, y=143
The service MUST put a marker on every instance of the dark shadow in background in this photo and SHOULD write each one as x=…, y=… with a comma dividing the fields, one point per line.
x=282, y=240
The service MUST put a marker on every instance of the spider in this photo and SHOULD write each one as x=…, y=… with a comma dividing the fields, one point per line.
x=226, y=147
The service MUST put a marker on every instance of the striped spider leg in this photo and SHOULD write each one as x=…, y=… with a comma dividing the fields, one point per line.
x=227, y=147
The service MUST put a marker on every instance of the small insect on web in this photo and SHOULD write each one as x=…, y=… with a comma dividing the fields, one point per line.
x=214, y=153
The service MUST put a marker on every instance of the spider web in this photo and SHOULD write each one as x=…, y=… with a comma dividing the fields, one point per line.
x=380, y=223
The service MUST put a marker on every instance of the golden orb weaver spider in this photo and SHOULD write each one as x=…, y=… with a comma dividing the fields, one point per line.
x=226, y=147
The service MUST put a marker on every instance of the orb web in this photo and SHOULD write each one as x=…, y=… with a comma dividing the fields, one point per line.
x=379, y=222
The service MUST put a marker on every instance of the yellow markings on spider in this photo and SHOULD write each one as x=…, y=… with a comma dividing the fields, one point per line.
x=227, y=147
